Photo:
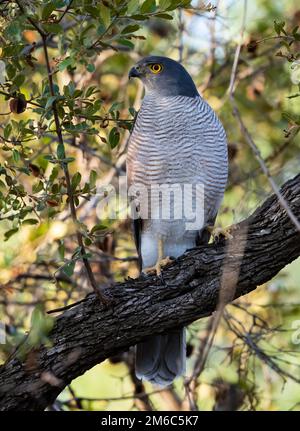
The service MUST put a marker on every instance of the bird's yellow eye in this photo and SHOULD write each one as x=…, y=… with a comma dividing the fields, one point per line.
x=155, y=68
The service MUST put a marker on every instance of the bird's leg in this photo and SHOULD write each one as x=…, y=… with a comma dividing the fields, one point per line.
x=161, y=260
x=218, y=232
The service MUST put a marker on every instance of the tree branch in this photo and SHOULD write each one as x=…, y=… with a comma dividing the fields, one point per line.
x=89, y=332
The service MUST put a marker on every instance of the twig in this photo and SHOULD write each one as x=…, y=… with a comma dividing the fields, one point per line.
x=180, y=36
x=237, y=52
x=66, y=307
x=32, y=22
x=66, y=11
x=212, y=54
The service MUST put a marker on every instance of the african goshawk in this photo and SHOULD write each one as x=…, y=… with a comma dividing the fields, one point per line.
x=177, y=140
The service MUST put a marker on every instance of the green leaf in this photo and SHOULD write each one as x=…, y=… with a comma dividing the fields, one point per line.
x=69, y=89
x=91, y=90
x=68, y=159
x=130, y=29
x=19, y=80
x=30, y=221
x=36, y=188
x=48, y=9
x=50, y=101
x=139, y=17
x=93, y=179
x=173, y=4
x=61, y=250
x=279, y=27
x=53, y=28
x=14, y=30
x=132, y=111
x=98, y=227
x=114, y=137
x=53, y=174
x=148, y=6
x=16, y=155
x=48, y=157
x=7, y=131
x=164, y=16
x=60, y=151
x=40, y=206
x=87, y=241
x=55, y=189
x=101, y=27
x=25, y=211
x=126, y=42
x=164, y=4
x=132, y=6
x=68, y=268
x=10, y=233
x=93, y=11
x=75, y=180
x=86, y=188
x=90, y=68
x=69, y=61
x=115, y=106
x=105, y=15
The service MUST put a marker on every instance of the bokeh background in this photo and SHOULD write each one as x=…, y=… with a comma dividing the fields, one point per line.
x=91, y=48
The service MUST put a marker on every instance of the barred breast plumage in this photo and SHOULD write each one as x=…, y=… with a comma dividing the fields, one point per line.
x=177, y=140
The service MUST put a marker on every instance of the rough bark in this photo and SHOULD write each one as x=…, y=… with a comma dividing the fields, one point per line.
x=89, y=333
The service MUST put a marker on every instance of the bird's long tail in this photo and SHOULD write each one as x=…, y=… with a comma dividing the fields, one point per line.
x=161, y=358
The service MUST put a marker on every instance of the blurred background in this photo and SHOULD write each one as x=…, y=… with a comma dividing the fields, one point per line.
x=91, y=47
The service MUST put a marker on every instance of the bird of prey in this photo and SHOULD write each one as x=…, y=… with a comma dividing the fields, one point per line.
x=177, y=139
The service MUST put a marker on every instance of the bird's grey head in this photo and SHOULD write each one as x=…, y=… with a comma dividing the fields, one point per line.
x=164, y=77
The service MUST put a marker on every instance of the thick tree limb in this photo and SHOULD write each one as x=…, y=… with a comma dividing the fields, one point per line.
x=89, y=333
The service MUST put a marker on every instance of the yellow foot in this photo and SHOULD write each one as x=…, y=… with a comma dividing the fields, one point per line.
x=218, y=232
x=158, y=266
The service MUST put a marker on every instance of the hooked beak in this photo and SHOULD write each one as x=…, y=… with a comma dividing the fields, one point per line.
x=133, y=73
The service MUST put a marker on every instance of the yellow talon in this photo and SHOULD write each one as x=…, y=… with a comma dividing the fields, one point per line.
x=150, y=270
x=217, y=232
x=161, y=261
x=156, y=269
